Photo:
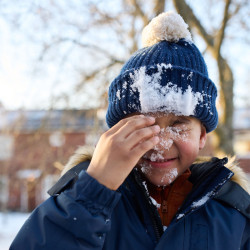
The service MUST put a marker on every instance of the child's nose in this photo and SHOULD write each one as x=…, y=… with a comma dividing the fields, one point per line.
x=165, y=142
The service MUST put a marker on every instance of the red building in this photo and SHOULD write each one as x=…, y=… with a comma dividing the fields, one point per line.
x=35, y=145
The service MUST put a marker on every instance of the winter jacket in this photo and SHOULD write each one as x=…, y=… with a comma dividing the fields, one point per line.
x=83, y=214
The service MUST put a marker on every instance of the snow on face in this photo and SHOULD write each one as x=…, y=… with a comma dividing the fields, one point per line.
x=167, y=178
x=145, y=168
x=169, y=98
x=167, y=137
x=170, y=176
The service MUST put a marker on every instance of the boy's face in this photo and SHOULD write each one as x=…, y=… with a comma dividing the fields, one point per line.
x=181, y=138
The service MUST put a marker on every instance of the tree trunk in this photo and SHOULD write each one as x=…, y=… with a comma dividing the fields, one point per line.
x=225, y=128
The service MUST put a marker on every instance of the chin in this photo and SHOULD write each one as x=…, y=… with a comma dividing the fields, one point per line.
x=163, y=180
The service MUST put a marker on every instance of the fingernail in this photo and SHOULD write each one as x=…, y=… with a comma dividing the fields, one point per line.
x=157, y=128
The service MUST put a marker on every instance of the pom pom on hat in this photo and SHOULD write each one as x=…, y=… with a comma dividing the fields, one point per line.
x=168, y=26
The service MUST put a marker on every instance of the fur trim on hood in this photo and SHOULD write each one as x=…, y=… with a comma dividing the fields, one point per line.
x=84, y=153
x=239, y=176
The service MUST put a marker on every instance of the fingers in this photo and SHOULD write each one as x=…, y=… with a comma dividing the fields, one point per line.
x=140, y=135
x=133, y=124
x=120, y=148
x=122, y=122
x=140, y=149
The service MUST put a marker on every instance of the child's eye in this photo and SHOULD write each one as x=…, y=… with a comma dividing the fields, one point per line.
x=177, y=122
x=180, y=126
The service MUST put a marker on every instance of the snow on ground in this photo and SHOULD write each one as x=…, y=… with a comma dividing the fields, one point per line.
x=10, y=223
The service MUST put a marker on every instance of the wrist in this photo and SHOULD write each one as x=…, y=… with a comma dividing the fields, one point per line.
x=102, y=179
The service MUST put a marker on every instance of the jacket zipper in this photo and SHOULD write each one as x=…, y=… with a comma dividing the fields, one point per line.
x=158, y=229
x=152, y=211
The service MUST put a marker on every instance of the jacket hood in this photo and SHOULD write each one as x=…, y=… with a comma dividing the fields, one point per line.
x=84, y=153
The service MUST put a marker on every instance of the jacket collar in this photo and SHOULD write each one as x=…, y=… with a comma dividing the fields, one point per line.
x=207, y=178
x=85, y=153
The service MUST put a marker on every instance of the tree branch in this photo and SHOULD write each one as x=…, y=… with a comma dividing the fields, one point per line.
x=187, y=13
x=221, y=34
x=83, y=45
x=94, y=74
x=139, y=12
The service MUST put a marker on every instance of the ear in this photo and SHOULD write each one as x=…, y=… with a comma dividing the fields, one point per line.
x=203, y=137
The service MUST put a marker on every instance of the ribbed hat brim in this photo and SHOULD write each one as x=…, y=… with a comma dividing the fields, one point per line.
x=124, y=99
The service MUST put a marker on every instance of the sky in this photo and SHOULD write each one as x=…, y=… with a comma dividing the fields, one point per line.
x=20, y=85
x=24, y=85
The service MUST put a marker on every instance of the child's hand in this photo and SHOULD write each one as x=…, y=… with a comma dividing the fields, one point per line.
x=120, y=148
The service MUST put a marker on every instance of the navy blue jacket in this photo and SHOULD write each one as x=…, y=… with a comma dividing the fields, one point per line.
x=83, y=214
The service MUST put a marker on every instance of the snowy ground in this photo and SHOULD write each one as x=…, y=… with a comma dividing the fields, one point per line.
x=10, y=223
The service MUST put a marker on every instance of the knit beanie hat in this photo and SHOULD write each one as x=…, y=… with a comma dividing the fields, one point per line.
x=168, y=75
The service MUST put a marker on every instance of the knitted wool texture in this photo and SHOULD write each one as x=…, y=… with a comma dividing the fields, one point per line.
x=173, y=65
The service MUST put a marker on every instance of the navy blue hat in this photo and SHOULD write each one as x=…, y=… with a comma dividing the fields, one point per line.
x=169, y=75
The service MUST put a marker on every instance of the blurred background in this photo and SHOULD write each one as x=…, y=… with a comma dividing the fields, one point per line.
x=57, y=60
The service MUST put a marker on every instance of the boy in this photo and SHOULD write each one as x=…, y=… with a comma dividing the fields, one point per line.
x=142, y=188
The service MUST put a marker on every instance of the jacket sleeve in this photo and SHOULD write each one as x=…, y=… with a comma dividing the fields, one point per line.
x=78, y=218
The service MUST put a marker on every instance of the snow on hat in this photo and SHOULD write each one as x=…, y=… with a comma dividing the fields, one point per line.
x=169, y=75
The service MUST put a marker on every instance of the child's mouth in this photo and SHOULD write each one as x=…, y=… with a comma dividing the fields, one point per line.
x=161, y=163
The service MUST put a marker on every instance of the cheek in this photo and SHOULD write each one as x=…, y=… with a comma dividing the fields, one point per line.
x=189, y=148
